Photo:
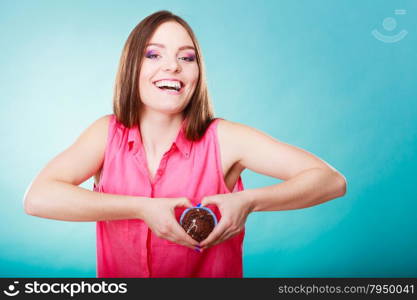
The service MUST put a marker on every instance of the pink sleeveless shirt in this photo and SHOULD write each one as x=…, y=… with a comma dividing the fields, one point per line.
x=128, y=248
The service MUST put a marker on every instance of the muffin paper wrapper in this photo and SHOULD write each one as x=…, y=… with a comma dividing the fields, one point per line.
x=199, y=207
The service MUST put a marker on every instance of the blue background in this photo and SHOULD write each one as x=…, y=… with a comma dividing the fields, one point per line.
x=308, y=73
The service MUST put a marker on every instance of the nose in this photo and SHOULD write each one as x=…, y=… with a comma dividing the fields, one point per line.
x=172, y=65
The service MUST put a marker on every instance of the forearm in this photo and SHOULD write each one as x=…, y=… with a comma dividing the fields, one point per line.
x=67, y=202
x=309, y=188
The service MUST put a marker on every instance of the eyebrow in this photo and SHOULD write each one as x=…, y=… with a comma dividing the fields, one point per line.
x=163, y=46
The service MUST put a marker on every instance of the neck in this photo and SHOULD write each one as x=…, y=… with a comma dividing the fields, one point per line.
x=158, y=131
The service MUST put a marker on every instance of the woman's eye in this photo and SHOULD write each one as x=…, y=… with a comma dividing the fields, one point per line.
x=188, y=58
x=151, y=56
x=185, y=58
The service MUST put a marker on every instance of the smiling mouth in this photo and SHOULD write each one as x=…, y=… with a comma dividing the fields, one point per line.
x=171, y=88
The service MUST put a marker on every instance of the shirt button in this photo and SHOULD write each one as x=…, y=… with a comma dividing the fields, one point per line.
x=160, y=172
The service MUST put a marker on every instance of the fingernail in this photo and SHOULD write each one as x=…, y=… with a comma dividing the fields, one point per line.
x=197, y=249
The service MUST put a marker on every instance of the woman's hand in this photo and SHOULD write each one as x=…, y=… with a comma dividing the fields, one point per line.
x=234, y=209
x=159, y=215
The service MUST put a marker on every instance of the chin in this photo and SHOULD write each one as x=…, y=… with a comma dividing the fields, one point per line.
x=171, y=110
x=167, y=107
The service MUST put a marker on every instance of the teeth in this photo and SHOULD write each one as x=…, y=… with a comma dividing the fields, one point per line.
x=168, y=83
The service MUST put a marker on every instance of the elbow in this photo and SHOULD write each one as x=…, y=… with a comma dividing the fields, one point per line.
x=342, y=184
x=30, y=206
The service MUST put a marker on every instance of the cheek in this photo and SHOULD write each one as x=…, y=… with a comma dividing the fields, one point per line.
x=193, y=74
x=146, y=71
x=145, y=76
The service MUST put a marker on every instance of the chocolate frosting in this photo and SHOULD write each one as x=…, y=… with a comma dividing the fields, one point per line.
x=198, y=223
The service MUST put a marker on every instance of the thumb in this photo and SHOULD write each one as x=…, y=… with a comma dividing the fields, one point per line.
x=183, y=202
x=208, y=200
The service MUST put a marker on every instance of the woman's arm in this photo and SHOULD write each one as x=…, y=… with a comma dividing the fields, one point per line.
x=63, y=201
x=309, y=188
x=55, y=194
x=307, y=180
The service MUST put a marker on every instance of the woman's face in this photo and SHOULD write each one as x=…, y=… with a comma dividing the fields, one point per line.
x=169, y=64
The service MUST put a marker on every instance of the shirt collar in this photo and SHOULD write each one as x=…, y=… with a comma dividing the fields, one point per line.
x=181, y=142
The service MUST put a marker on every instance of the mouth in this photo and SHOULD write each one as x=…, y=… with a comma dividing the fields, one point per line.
x=171, y=87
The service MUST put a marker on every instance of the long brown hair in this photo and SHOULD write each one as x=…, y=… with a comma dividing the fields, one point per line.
x=126, y=101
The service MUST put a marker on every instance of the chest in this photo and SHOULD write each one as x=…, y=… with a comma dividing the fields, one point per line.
x=231, y=170
x=155, y=164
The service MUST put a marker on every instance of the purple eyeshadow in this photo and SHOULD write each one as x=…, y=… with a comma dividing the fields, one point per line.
x=190, y=56
x=150, y=52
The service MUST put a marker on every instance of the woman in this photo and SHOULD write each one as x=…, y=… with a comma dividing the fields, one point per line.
x=163, y=151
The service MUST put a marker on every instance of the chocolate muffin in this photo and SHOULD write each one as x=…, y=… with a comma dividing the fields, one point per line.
x=198, y=223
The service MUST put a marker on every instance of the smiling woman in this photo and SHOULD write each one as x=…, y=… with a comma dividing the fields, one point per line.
x=165, y=41
x=162, y=151
x=175, y=55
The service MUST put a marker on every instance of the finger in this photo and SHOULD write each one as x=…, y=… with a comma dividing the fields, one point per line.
x=182, y=236
x=173, y=237
x=182, y=243
x=175, y=240
x=224, y=237
x=215, y=234
x=219, y=240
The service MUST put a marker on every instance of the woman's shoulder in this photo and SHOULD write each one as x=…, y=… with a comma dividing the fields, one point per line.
x=237, y=139
x=101, y=124
x=98, y=129
x=233, y=131
x=230, y=135
x=104, y=120
x=109, y=121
